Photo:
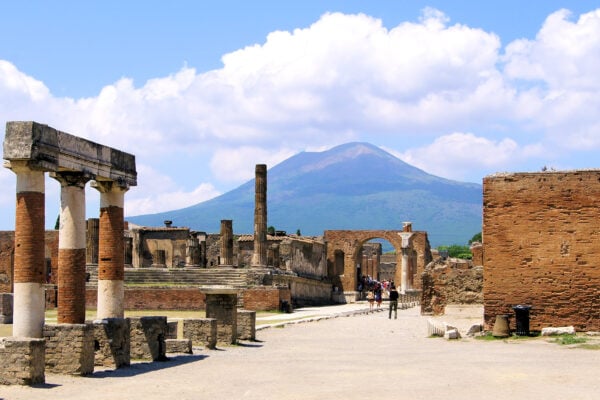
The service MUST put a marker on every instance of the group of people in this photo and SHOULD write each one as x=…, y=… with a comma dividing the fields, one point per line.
x=375, y=295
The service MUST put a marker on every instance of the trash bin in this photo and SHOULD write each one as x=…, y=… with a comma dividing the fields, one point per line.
x=522, y=319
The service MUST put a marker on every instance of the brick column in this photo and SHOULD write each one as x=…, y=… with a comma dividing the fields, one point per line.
x=259, y=256
x=226, y=248
x=71, y=247
x=28, y=301
x=111, y=257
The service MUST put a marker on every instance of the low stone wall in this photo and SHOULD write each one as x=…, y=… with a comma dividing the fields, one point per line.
x=266, y=298
x=6, y=308
x=246, y=325
x=450, y=282
x=201, y=331
x=112, y=342
x=147, y=338
x=223, y=308
x=180, y=346
x=22, y=361
x=70, y=348
x=310, y=292
x=155, y=298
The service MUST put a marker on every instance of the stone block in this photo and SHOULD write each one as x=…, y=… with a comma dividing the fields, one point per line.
x=201, y=331
x=70, y=348
x=112, y=342
x=6, y=308
x=172, y=327
x=246, y=325
x=561, y=330
x=451, y=334
x=147, y=338
x=22, y=361
x=179, y=346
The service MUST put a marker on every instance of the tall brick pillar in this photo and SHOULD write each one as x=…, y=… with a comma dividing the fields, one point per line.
x=71, y=247
x=91, y=255
x=111, y=258
x=259, y=257
x=29, y=276
x=226, y=248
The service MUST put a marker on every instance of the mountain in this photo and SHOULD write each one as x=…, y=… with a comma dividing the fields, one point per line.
x=352, y=186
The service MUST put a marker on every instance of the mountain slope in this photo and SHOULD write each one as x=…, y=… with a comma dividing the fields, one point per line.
x=352, y=186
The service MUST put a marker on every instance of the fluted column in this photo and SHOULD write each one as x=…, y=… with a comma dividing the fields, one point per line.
x=111, y=258
x=226, y=248
x=71, y=247
x=29, y=261
x=259, y=257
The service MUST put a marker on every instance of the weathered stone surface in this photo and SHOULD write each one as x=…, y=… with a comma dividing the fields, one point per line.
x=70, y=348
x=201, y=331
x=246, y=325
x=450, y=281
x=22, y=361
x=112, y=342
x=147, y=338
x=179, y=346
x=6, y=308
x=541, y=236
x=561, y=330
x=451, y=334
x=221, y=304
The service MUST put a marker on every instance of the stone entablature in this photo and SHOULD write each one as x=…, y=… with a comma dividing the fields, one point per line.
x=541, y=233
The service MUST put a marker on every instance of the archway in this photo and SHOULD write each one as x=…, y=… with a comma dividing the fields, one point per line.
x=412, y=254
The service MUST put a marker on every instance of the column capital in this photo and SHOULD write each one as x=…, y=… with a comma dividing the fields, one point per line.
x=72, y=178
x=405, y=238
x=110, y=186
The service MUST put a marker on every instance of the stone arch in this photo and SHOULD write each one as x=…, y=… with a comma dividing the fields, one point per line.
x=412, y=254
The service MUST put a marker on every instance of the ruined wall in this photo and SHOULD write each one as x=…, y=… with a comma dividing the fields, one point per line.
x=147, y=241
x=422, y=255
x=305, y=257
x=452, y=281
x=541, y=234
x=7, y=247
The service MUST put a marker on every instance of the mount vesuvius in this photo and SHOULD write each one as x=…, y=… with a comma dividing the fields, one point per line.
x=351, y=186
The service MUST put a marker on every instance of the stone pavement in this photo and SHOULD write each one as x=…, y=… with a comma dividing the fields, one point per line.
x=354, y=356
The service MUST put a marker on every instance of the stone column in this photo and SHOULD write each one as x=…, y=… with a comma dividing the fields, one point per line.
x=29, y=276
x=406, y=250
x=111, y=257
x=259, y=256
x=71, y=247
x=226, y=248
x=91, y=256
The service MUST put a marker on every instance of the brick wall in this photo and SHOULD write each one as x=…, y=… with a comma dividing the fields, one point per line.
x=541, y=237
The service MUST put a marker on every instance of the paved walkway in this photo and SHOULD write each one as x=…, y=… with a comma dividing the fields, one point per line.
x=354, y=356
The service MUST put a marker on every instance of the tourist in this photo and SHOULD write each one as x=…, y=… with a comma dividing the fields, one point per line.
x=371, y=299
x=393, y=301
x=378, y=295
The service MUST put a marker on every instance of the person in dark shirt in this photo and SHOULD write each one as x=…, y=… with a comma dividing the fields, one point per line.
x=393, y=301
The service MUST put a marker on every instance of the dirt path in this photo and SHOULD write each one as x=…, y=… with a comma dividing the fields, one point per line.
x=357, y=357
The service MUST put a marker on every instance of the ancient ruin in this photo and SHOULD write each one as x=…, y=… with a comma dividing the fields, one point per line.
x=541, y=247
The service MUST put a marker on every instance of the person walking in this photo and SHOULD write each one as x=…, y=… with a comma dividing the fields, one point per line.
x=371, y=300
x=378, y=295
x=393, y=301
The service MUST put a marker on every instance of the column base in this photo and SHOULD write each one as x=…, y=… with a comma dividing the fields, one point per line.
x=70, y=348
x=22, y=361
x=147, y=338
x=112, y=342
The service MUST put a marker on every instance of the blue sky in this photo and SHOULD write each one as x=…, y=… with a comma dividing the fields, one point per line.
x=202, y=91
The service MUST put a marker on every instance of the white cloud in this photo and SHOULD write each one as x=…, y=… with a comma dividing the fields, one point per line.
x=157, y=192
x=456, y=155
x=237, y=164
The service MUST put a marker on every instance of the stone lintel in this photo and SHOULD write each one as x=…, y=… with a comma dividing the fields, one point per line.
x=45, y=148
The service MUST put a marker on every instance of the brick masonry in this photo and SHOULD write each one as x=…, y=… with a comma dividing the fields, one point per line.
x=201, y=331
x=246, y=325
x=69, y=348
x=147, y=335
x=112, y=342
x=541, y=237
x=22, y=361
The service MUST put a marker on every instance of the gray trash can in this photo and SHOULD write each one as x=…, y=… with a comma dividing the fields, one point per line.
x=522, y=319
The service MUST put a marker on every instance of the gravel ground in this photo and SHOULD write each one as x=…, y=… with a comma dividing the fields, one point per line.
x=351, y=357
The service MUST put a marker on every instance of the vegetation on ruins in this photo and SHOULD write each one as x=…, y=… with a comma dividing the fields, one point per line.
x=457, y=251
x=476, y=238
